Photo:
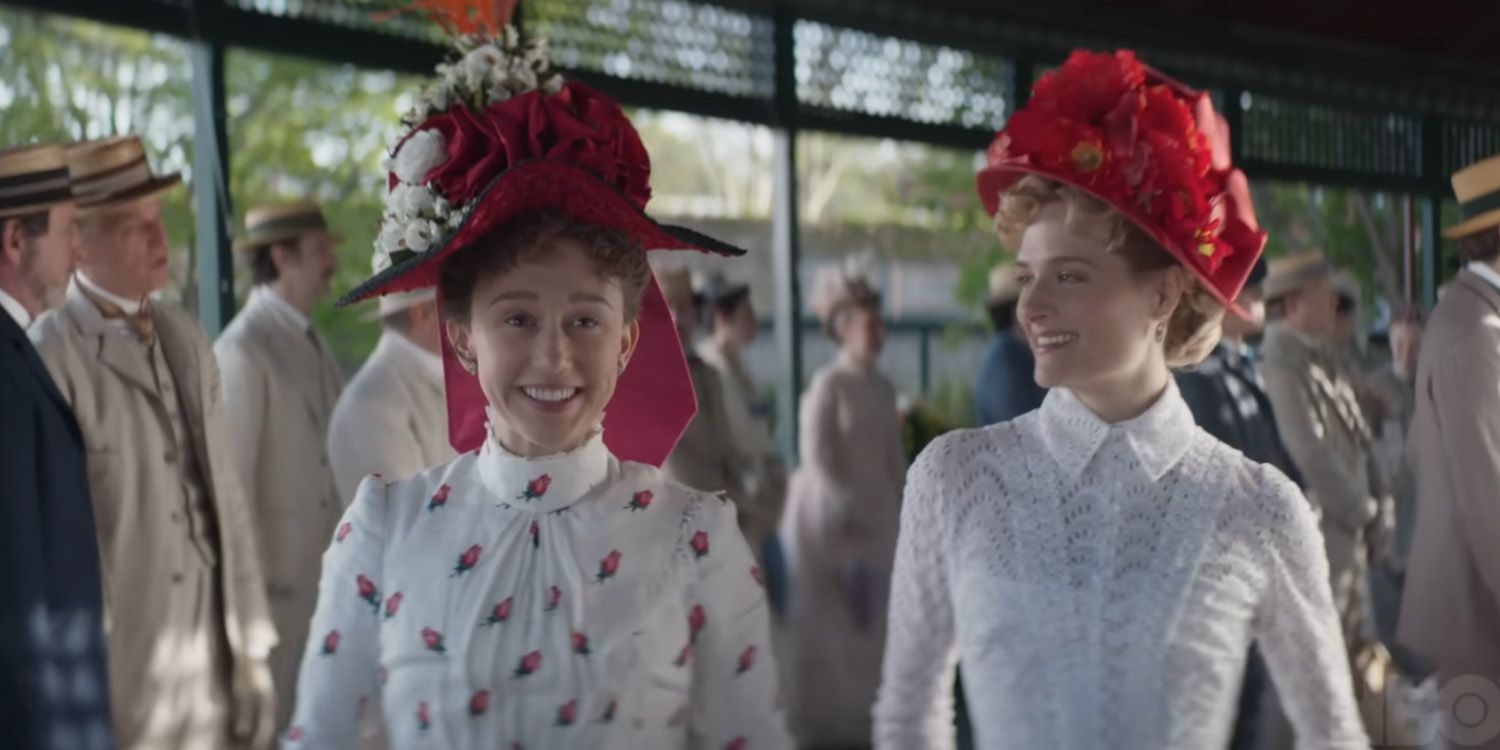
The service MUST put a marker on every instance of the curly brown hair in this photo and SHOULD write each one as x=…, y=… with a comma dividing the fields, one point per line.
x=1195, y=324
x=615, y=254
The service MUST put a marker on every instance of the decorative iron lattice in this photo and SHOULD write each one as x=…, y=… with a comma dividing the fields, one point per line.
x=856, y=71
x=1310, y=135
x=685, y=44
x=363, y=15
x=1466, y=143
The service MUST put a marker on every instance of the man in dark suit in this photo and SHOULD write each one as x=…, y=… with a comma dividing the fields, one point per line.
x=1225, y=392
x=1007, y=387
x=54, y=691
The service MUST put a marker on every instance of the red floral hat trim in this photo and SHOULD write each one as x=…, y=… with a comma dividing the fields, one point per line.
x=573, y=151
x=1152, y=148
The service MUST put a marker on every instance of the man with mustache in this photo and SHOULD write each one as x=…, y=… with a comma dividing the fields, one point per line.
x=281, y=383
x=185, y=610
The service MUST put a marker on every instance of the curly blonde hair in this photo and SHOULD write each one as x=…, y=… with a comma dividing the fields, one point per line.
x=1194, y=325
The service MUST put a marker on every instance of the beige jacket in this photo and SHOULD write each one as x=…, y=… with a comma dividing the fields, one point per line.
x=1323, y=426
x=1451, y=606
x=133, y=466
x=392, y=419
x=280, y=386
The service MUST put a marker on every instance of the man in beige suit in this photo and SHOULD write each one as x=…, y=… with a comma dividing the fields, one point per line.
x=188, y=628
x=1450, y=608
x=280, y=386
x=393, y=419
x=1322, y=425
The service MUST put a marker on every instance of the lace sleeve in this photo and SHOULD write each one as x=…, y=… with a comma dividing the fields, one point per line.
x=1297, y=626
x=914, y=709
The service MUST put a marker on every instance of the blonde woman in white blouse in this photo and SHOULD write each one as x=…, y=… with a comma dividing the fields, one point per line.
x=1100, y=566
x=548, y=588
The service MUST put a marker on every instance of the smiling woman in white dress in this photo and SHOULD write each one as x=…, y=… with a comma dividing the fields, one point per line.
x=1100, y=566
x=548, y=588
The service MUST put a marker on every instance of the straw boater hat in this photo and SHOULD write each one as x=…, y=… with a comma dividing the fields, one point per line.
x=1005, y=284
x=499, y=135
x=1290, y=273
x=1477, y=188
x=114, y=170
x=278, y=222
x=33, y=178
x=1152, y=148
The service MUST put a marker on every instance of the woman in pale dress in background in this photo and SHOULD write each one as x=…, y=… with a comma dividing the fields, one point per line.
x=839, y=532
x=1101, y=566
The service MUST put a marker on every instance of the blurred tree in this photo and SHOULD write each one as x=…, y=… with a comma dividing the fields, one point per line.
x=302, y=129
x=297, y=129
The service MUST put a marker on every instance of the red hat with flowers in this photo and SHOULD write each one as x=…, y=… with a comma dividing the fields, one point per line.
x=1152, y=148
x=499, y=134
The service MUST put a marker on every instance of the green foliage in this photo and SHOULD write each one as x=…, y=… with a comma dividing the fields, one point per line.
x=305, y=129
x=297, y=129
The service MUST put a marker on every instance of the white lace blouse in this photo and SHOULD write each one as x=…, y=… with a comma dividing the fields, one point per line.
x=568, y=602
x=1101, y=585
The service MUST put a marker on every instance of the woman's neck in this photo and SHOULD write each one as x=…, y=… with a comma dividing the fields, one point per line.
x=1126, y=397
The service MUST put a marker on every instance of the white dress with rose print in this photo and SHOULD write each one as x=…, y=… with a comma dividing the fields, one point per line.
x=574, y=601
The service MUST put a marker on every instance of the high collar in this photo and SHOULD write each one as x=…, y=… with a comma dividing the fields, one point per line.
x=1073, y=434
x=127, y=306
x=267, y=297
x=1485, y=271
x=849, y=363
x=547, y=484
x=16, y=310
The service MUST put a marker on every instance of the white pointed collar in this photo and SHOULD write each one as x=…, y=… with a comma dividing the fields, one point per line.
x=1159, y=436
x=547, y=484
x=15, y=309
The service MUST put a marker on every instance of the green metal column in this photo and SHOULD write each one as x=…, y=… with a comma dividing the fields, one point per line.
x=212, y=211
x=1431, y=251
x=785, y=238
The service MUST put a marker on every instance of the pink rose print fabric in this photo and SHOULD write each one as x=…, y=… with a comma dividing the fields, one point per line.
x=449, y=567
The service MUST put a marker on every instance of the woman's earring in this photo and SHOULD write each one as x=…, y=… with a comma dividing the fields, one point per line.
x=621, y=369
x=1161, y=333
x=466, y=362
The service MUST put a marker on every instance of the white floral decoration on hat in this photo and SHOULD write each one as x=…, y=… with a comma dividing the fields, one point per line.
x=485, y=71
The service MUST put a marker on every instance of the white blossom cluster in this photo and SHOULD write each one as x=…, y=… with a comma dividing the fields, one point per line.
x=417, y=217
x=487, y=71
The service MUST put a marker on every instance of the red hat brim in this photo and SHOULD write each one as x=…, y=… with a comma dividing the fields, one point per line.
x=654, y=399
x=992, y=182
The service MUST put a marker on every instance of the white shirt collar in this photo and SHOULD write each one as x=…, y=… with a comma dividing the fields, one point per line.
x=16, y=309
x=431, y=363
x=1485, y=271
x=127, y=306
x=265, y=295
x=547, y=484
x=1073, y=434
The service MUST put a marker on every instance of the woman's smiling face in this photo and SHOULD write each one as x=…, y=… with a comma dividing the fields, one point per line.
x=549, y=339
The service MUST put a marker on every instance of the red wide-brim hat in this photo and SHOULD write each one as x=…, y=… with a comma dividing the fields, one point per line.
x=1152, y=148
x=573, y=151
